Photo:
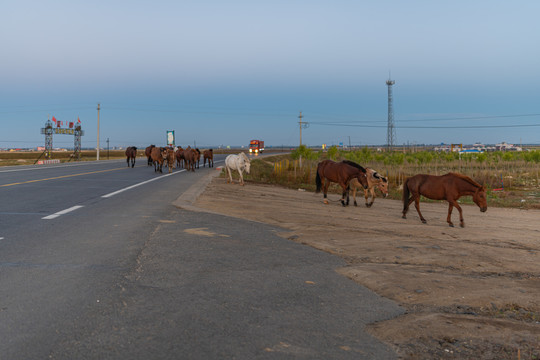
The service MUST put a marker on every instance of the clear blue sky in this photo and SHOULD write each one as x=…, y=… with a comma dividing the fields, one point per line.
x=224, y=72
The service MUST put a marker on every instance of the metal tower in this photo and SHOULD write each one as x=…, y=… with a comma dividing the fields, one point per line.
x=48, y=132
x=78, y=132
x=391, y=131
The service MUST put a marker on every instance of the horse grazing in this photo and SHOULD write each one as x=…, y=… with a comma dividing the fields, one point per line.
x=238, y=162
x=341, y=173
x=170, y=159
x=375, y=180
x=131, y=153
x=148, y=153
x=449, y=187
x=158, y=156
x=208, y=154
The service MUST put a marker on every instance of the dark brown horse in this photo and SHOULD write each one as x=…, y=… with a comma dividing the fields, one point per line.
x=449, y=187
x=131, y=154
x=179, y=157
x=208, y=154
x=197, y=157
x=148, y=153
x=340, y=173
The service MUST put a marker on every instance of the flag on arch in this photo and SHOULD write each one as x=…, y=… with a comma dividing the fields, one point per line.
x=54, y=119
x=78, y=120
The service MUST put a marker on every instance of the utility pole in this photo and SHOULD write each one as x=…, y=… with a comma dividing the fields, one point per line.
x=97, y=154
x=107, y=148
x=300, y=123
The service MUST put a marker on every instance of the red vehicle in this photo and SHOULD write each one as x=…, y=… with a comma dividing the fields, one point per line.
x=256, y=146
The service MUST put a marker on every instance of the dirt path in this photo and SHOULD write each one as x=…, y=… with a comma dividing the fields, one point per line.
x=471, y=292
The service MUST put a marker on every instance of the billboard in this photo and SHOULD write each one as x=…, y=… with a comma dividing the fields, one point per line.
x=170, y=137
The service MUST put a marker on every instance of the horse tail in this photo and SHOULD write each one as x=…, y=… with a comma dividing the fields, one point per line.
x=318, y=181
x=405, y=194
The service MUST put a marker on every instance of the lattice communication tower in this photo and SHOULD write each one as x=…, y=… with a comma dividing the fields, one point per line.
x=391, y=131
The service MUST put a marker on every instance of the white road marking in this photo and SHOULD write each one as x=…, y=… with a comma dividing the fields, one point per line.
x=1, y=238
x=55, y=215
x=139, y=184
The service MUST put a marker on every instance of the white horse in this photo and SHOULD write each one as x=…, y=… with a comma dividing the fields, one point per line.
x=238, y=162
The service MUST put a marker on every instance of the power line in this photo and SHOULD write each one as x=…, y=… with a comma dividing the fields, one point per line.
x=432, y=127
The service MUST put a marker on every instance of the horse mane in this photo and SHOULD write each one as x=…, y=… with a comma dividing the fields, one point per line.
x=353, y=164
x=467, y=179
x=244, y=156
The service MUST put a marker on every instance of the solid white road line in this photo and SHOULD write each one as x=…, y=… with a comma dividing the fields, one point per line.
x=139, y=184
x=55, y=215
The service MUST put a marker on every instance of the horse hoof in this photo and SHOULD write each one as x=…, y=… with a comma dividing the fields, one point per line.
x=451, y=225
x=462, y=225
x=403, y=217
x=424, y=221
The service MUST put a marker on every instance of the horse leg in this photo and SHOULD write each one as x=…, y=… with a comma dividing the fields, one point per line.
x=325, y=190
x=417, y=206
x=241, y=177
x=366, y=196
x=372, y=191
x=406, y=207
x=455, y=204
x=229, y=179
x=354, y=195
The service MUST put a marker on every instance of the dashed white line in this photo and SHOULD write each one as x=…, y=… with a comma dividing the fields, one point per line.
x=139, y=184
x=55, y=215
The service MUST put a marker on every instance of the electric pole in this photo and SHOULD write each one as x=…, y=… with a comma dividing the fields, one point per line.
x=97, y=154
x=300, y=123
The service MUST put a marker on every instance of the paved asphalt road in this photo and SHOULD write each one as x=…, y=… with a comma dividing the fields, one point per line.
x=97, y=263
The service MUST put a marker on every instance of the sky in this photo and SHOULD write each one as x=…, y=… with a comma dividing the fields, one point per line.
x=222, y=73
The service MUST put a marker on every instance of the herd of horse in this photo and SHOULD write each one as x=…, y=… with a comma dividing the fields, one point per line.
x=347, y=174
x=449, y=187
x=188, y=158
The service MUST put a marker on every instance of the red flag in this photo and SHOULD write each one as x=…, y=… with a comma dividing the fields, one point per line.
x=54, y=120
x=78, y=120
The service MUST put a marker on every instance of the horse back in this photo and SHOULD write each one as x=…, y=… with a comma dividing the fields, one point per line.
x=431, y=186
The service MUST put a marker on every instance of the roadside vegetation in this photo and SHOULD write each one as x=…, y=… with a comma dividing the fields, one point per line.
x=511, y=178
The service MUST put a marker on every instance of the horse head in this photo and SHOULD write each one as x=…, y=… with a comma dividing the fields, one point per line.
x=383, y=186
x=245, y=160
x=480, y=198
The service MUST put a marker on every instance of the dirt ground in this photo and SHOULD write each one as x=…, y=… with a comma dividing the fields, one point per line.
x=470, y=292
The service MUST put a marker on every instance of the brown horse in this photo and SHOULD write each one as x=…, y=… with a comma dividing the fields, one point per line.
x=449, y=187
x=340, y=173
x=190, y=157
x=197, y=157
x=158, y=156
x=208, y=154
x=179, y=157
x=131, y=153
x=374, y=180
x=170, y=159
x=148, y=153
